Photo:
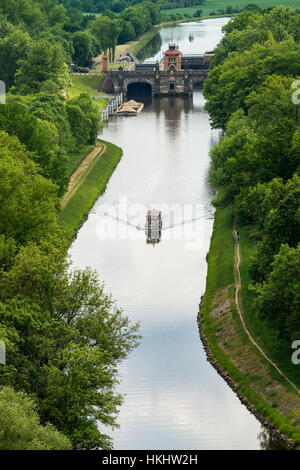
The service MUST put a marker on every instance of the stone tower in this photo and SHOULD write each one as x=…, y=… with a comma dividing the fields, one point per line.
x=105, y=63
x=172, y=59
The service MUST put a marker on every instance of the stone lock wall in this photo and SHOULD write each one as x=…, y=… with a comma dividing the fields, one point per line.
x=162, y=82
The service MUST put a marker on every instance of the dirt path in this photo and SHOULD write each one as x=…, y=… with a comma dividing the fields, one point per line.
x=82, y=172
x=238, y=285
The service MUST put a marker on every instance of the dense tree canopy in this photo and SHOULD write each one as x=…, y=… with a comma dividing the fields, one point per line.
x=278, y=297
x=64, y=335
x=231, y=82
x=99, y=6
x=44, y=69
x=20, y=427
x=257, y=161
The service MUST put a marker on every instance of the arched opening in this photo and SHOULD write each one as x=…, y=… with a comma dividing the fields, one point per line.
x=197, y=85
x=139, y=88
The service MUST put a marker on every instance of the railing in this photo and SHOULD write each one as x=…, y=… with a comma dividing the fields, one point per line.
x=132, y=72
x=91, y=72
x=112, y=105
x=151, y=73
x=146, y=64
x=186, y=56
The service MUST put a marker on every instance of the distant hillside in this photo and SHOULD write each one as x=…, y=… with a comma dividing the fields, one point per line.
x=97, y=6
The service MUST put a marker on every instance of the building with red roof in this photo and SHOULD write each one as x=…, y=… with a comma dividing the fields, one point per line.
x=172, y=59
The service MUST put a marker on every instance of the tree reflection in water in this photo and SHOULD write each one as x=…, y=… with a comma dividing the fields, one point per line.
x=268, y=441
x=151, y=48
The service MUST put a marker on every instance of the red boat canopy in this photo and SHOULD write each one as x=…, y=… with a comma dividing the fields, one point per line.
x=154, y=211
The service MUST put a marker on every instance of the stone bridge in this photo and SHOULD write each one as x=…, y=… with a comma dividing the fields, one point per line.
x=152, y=80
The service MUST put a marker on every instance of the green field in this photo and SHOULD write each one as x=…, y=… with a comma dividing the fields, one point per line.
x=87, y=84
x=212, y=5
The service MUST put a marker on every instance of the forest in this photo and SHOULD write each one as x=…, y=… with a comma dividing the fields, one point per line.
x=64, y=335
x=99, y=6
x=252, y=94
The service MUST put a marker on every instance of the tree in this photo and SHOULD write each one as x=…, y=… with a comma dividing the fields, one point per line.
x=229, y=84
x=127, y=32
x=44, y=63
x=65, y=337
x=13, y=48
x=281, y=225
x=106, y=32
x=254, y=203
x=83, y=48
x=40, y=137
x=253, y=7
x=278, y=298
x=80, y=395
x=271, y=101
x=283, y=22
x=197, y=13
x=20, y=427
x=27, y=210
x=51, y=108
x=83, y=119
x=27, y=11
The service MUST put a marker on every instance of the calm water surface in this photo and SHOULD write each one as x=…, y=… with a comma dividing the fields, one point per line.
x=174, y=399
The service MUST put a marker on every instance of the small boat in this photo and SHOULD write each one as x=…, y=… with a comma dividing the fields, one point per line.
x=191, y=37
x=153, y=226
x=130, y=108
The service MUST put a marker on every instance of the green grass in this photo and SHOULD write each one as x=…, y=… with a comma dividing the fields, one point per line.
x=87, y=84
x=90, y=85
x=220, y=275
x=212, y=5
x=77, y=157
x=95, y=183
x=222, y=251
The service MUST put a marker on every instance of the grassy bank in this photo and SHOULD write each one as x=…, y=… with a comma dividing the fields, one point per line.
x=213, y=5
x=77, y=157
x=88, y=84
x=76, y=210
x=258, y=382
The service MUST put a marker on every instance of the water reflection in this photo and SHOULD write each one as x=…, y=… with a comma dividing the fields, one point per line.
x=268, y=441
x=151, y=48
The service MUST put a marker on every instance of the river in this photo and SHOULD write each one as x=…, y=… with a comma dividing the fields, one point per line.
x=174, y=399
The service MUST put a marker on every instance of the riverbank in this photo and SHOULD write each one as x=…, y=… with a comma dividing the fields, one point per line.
x=258, y=385
x=91, y=182
x=211, y=6
x=135, y=47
